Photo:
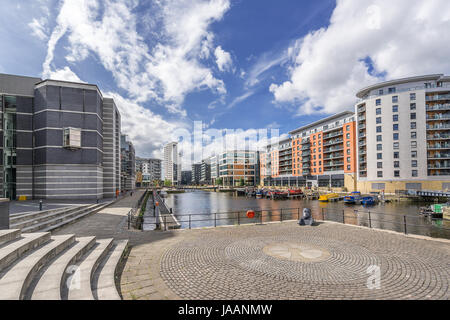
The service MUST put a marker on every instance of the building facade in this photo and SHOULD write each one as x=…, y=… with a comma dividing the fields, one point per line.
x=186, y=177
x=236, y=168
x=196, y=173
x=172, y=163
x=59, y=140
x=205, y=171
x=128, y=163
x=150, y=170
x=404, y=135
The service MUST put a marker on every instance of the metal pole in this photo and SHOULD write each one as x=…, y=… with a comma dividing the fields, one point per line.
x=128, y=220
x=239, y=222
x=298, y=213
x=215, y=219
x=189, y=222
x=281, y=215
x=404, y=222
x=323, y=215
x=343, y=216
x=370, y=221
x=165, y=223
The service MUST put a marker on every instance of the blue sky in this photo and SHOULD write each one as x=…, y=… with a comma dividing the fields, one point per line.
x=232, y=64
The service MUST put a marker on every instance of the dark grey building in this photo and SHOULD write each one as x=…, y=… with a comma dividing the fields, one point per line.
x=205, y=172
x=55, y=140
x=186, y=177
x=128, y=163
x=196, y=173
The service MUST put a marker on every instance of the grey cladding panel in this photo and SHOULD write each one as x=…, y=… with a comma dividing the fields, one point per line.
x=24, y=139
x=24, y=122
x=72, y=99
x=24, y=104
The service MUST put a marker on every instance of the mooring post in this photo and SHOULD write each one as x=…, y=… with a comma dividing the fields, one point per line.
x=189, y=222
x=323, y=214
x=404, y=222
x=215, y=219
x=281, y=215
x=343, y=216
x=370, y=221
x=165, y=223
x=239, y=221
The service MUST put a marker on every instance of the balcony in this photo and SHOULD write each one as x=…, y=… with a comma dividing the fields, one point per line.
x=440, y=126
x=362, y=143
x=438, y=146
x=438, y=136
x=362, y=135
x=306, y=154
x=305, y=148
x=306, y=159
x=438, y=156
x=362, y=160
x=333, y=156
x=362, y=118
x=333, y=142
x=440, y=165
x=361, y=126
x=361, y=109
x=438, y=107
x=333, y=164
x=332, y=135
x=362, y=152
x=333, y=149
x=306, y=166
x=439, y=117
x=306, y=171
x=305, y=142
x=439, y=173
x=438, y=97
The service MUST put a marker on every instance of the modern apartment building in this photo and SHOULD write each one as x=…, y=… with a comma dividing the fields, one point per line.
x=172, y=163
x=59, y=140
x=149, y=168
x=404, y=135
x=186, y=177
x=196, y=173
x=128, y=163
x=235, y=167
x=205, y=171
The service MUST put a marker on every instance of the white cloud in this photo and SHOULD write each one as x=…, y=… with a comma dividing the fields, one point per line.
x=38, y=27
x=64, y=74
x=167, y=70
x=223, y=59
x=404, y=38
x=241, y=98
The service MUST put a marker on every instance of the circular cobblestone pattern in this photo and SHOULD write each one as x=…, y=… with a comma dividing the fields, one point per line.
x=285, y=261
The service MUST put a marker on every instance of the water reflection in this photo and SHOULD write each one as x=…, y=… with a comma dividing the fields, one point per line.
x=216, y=208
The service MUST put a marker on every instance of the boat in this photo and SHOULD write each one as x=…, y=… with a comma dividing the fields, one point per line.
x=328, y=197
x=295, y=192
x=353, y=198
x=438, y=210
x=368, y=201
x=259, y=193
x=426, y=211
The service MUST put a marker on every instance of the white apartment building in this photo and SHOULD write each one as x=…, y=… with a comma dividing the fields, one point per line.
x=403, y=129
x=172, y=163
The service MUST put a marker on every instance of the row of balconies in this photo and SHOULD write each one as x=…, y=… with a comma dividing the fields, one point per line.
x=437, y=117
x=332, y=135
x=438, y=97
x=439, y=165
x=333, y=149
x=439, y=155
x=333, y=142
x=439, y=173
x=333, y=156
x=438, y=146
x=438, y=126
x=437, y=107
x=333, y=164
x=438, y=136
x=306, y=153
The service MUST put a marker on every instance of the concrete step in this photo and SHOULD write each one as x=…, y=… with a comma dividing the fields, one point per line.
x=36, y=215
x=81, y=289
x=38, y=219
x=48, y=286
x=75, y=218
x=104, y=286
x=9, y=235
x=16, y=248
x=61, y=219
x=15, y=280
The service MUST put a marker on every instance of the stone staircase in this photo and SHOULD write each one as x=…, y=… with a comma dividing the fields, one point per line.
x=38, y=266
x=50, y=220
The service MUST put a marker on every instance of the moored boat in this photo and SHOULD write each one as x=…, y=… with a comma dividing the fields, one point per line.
x=328, y=197
x=353, y=198
x=368, y=201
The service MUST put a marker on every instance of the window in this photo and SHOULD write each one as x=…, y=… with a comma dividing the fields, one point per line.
x=378, y=120
x=413, y=125
x=320, y=135
x=72, y=138
x=378, y=111
x=380, y=174
x=378, y=102
x=379, y=147
x=414, y=173
x=396, y=164
x=413, y=116
x=412, y=96
x=320, y=149
x=320, y=156
x=379, y=156
x=379, y=138
x=394, y=99
x=395, y=127
x=320, y=143
x=397, y=174
x=379, y=129
x=413, y=144
x=396, y=155
x=348, y=143
x=395, y=117
x=414, y=163
x=392, y=90
x=348, y=128
x=412, y=106
x=413, y=135
x=348, y=151
x=395, y=136
x=380, y=92
x=380, y=165
x=394, y=108
x=320, y=163
x=349, y=167
x=347, y=135
x=396, y=145
x=348, y=160
x=413, y=154
x=314, y=137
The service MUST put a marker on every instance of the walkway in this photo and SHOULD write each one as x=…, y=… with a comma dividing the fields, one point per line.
x=107, y=223
x=285, y=261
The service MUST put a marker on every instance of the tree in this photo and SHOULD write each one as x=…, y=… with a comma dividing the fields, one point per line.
x=242, y=182
x=167, y=183
x=219, y=181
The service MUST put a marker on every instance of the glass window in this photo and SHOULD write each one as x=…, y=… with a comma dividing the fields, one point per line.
x=378, y=102
x=414, y=163
x=378, y=111
x=394, y=99
x=394, y=108
x=396, y=145
x=414, y=173
x=413, y=135
x=413, y=154
x=379, y=129
x=395, y=126
x=72, y=138
x=396, y=173
x=396, y=164
x=395, y=136
x=348, y=136
x=395, y=117
x=379, y=147
x=379, y=156
x=413, y=144
x=380, y=165
x=413, y=125
x=348, y=143
x=413, y=116
x=348, y=151
x=380, y=92
x=348, y=128
x=392, y=90
x=379, y=138
x=396, y=155
x=378, y=120
x=380, y=174
x=349, y=167
x=412, y=106
x=348, y=160
x=412, y=96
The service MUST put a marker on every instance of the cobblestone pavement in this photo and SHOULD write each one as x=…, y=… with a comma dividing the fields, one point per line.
x=285, y=261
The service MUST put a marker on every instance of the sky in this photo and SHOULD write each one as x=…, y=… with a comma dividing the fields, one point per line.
x=238, y=66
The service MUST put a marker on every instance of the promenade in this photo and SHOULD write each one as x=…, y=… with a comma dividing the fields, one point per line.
x=285, y=261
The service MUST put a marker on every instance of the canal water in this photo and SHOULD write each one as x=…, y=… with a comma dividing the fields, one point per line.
x=196, y=209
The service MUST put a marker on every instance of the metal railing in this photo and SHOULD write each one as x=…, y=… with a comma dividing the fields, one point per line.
x=368, y=219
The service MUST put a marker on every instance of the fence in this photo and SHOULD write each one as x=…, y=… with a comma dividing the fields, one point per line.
x=370, y=219
x=135, y=218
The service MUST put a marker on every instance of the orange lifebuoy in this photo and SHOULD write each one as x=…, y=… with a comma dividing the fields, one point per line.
x=157, y=203
x=250, y=214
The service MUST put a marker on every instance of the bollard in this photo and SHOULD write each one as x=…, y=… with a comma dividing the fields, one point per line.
x=404, y=222
x=165, y=223
x=281, y=215
x=370, y=221
x=323, y=215
x=343, y=216
x=215, y=220
x=189, y=222
x=239, y=222
x=298, y=213
x=40, y=205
